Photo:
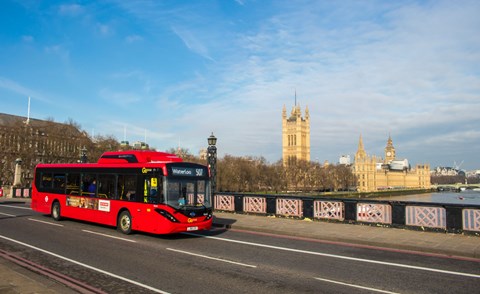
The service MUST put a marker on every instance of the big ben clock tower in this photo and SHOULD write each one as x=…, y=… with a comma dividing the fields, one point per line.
x=389, y=150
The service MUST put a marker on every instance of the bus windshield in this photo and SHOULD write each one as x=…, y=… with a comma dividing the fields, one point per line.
x=185, y=193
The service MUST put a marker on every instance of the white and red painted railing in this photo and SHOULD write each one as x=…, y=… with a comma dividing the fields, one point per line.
x=433, y=216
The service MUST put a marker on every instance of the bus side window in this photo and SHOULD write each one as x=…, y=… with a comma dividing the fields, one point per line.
x=46, y=182
x=89, y=183
x=127, y=186
x=106, y=186
x=59, y=183
x=73, y=184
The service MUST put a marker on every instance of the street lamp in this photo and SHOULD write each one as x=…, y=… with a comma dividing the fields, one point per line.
x=83, y=157
x=212, y=160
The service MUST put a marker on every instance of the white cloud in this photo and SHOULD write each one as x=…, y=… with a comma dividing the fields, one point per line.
x=104, y=29
x=123, y=99
x=21, y=90
x=59, y=51
x=28, y=39
x=240, y=2
x=133, y=38
x=71, y=9
x=192, y=42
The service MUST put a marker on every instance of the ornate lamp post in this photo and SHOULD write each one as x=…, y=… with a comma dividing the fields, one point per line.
x=212, y=160
x=83, y=156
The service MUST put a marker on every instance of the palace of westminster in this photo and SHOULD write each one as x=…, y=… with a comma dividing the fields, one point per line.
x=373, y=173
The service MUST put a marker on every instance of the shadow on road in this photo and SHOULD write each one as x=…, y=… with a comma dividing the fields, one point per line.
x=220, y=222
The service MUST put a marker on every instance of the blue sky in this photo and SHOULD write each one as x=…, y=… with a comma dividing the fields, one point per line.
x=179, y=70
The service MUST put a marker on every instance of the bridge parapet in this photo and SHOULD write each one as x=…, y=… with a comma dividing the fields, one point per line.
x=455, y=218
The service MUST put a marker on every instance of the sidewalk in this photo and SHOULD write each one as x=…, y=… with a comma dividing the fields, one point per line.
x=16, y=279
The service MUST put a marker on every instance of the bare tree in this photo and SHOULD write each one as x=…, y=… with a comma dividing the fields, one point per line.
x=99, y=145
x=185, y=155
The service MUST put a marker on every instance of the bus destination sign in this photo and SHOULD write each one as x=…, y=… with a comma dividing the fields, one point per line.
x=188, y=171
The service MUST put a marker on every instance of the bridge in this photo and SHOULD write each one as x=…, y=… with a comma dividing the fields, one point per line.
x=456, y=187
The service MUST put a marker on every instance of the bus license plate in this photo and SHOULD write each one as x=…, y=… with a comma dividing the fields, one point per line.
x=192, y=228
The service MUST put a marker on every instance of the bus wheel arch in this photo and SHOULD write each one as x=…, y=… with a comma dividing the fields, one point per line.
x=124, y=222
x=56, y=210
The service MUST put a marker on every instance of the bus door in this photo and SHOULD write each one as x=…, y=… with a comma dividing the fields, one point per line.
x=81, y=203
x=107, y=193
x=152, y=189
x=151, y=195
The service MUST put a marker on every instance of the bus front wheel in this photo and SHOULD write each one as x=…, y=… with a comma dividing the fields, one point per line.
x=56, y=211
x=124, y=223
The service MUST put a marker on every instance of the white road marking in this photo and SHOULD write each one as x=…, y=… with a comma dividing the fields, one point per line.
x=44, y=222
x=10, y=215
x=86, y=265
x=213, y=258
x=355, y=286
x=109, y=236
x=19, y=207
x=341, y=257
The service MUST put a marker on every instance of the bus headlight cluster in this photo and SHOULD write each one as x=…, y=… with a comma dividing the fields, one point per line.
x=167, y=215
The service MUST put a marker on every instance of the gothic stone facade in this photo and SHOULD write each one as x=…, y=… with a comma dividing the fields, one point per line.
x=374, y=173
x=295, y=135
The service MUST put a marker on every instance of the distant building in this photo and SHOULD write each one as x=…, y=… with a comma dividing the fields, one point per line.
x=203, y=154
x=125, y=145
x=447, y=171
x=345, y=160
x=138, y=145
x=473, y=173
x=374, y=173
x=34, y=141
x=295, y=135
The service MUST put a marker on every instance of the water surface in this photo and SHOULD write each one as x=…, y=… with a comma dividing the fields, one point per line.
x=464, y=197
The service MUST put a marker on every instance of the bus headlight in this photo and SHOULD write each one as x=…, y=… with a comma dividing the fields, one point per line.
x=167, y=215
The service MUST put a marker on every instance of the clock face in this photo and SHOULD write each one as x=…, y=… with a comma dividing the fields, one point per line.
x=389, y=153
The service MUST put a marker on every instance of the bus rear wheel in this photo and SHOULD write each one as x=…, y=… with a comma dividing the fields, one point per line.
x=124, y=223
x=56, y=211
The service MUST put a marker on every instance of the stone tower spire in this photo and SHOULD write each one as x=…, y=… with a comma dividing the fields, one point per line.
x=361, y=154
x=295, y=135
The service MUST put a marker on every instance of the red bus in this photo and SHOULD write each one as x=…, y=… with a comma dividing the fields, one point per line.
x=146, y=191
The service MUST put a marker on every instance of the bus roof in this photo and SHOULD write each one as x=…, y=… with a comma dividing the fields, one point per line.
x=137, y=156
x=134, y=158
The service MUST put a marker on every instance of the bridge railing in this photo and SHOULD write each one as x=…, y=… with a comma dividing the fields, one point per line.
x=454, y=218
x=12, y=192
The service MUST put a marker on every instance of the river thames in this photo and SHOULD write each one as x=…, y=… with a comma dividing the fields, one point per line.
x=465, y=197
